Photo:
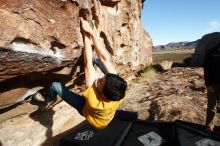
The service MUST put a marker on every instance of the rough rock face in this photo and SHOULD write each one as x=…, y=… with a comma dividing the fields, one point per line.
x=207, y=41
x=40, y=37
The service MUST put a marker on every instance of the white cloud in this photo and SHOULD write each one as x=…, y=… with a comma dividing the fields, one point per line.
x=214, y=25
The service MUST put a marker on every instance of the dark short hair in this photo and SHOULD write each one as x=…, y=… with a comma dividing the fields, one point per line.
x=115, y=87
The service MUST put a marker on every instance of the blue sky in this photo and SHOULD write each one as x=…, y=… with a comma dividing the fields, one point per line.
x=180, y=20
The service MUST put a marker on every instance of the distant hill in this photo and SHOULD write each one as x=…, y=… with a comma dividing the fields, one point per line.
x=176, y=46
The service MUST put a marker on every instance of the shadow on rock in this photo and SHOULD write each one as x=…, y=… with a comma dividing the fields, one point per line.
x=44, y=115
x=153, y=110
x=32, y=80
x=55, y=141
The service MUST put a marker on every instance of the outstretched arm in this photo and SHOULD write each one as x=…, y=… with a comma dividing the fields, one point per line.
x=102, y=53
x=89, y=68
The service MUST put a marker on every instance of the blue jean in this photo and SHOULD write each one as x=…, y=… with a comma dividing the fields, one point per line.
x=75, y=100
x=98, y=62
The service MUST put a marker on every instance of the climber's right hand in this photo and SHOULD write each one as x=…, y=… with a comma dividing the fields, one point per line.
x=86, y=27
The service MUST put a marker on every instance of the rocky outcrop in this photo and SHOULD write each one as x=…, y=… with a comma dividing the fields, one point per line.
x=40, y=41
x=207, y=41
x=164, y=66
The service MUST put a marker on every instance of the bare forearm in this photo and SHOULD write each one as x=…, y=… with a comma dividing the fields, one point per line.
x=103, y=55
x=87, y=50
x=89, y=69
x=101, y=52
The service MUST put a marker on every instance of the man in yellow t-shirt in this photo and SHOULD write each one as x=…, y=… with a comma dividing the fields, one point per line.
x=98, y=109
x=102, y=96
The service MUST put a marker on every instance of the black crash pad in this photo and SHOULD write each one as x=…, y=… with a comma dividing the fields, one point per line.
x=112, y=135
x=150, y=134
x=126, y=130
x=190, y=134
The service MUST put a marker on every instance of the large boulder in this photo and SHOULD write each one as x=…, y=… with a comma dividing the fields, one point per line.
x=206, y=42
x=41, y=42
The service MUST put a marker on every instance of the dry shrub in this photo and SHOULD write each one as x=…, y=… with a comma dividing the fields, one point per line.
x=147, y=76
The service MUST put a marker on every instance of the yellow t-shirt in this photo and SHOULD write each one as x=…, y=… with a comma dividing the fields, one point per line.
x=98, y=111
